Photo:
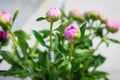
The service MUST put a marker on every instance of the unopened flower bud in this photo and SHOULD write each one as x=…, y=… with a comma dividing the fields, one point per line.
x=53, y=14
x=5, y=16
x=103, y=19
x=3, y=35
x=77, y=15
x=72, y=32
x=92, y=14
x=113, y=26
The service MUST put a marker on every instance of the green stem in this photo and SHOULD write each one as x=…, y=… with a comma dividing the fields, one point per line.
x=69, y=76
x=51, y=24
x=12, y=36
x=100, y=42
x=70, y=55
x=71, y=50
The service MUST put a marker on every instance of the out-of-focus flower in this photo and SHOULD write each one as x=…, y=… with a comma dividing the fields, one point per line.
x=53, y=14
x=92, y=14
x=113, y=26
x=5, y=16
x=77, y=15
x=72, y=32
x=3, y=35
x=103, y=19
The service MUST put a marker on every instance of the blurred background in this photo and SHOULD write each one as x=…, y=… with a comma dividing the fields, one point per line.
x=29, y=10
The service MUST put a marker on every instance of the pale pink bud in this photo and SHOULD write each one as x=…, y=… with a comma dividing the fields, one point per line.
x=53, y=14
x=5, y=16
x=77, y=15
x=72, y=32
x=113, y=26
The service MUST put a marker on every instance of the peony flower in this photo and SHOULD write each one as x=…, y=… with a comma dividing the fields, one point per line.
x=72, y=32
x=5, y=16
x=3, y=35
x=113, y=26
x=53, y=14
x=77, y=15
x=92, y=14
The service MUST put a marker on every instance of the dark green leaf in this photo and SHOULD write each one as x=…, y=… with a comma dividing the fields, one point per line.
x=40, y=18
x=63, y=26
x=45, y=33
x=15, y=16
x=99, y=32
x=114, y=40
x=98, y=60
x=82, y=29
x=38, y=37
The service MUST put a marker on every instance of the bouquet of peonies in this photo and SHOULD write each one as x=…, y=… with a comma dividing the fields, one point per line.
x=69, y=53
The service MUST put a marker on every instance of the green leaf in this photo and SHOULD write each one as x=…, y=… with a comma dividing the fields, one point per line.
x=15, y=16
x=82, y=29
x=78, y=53
x=100, y=74
x=39, y=37
x=64, y=69
x=105, y=40
x=114, y=40
x=9, y=57
x=59, y=47
x=98, y=60
x=22, y=35
x=84, y=43
x=89, y=78
x=22, y=39
x=86, y=17
x=99, y=32
x=45, y=33
x=81, y=54
x=63, y=26
x=40, y=18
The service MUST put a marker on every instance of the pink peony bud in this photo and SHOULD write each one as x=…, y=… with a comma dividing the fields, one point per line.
x=103, y=19
x=77, y=15
x=72, y=32
x=5, y=16
x=92, y=14
x=113, y=26
x=53, y=14
x=3, y=35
